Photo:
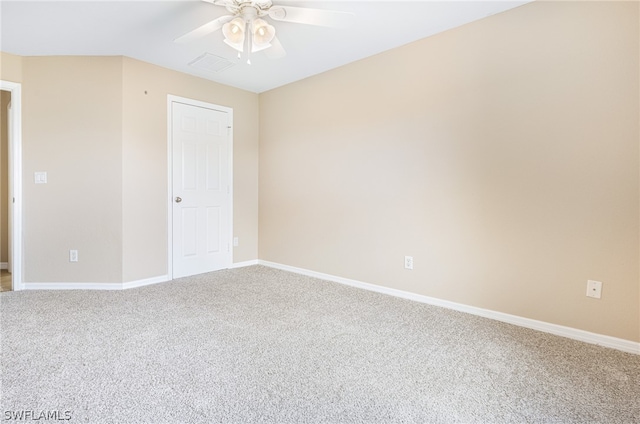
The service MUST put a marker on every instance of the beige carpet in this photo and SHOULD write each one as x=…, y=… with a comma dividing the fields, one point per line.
x=262, y=345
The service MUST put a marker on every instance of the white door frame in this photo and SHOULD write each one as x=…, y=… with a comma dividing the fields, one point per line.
x=15, y=181
x=171, y=99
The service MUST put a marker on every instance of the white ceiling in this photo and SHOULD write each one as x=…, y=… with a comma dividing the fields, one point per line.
x=145, y=30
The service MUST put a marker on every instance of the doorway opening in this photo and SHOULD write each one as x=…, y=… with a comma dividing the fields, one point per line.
x=10, y=186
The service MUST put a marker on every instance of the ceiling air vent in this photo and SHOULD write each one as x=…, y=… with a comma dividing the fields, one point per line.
x=211, y=63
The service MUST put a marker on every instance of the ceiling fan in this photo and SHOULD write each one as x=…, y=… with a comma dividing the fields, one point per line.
x=245, y=27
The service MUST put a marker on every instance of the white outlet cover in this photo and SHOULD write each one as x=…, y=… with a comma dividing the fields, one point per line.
x=408, y=262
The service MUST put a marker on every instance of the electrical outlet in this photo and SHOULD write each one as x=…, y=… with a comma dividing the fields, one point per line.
x=408, y=262
x=73, y=256
x=235, y=242
x=594, y=289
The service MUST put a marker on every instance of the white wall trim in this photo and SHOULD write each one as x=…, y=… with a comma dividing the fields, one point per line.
x=559, y=330
x=73, y=286
x=4, y=265
x=15, y=181
x=145, y=282
x=96, y=286
x=118, y=286
x=244, y=264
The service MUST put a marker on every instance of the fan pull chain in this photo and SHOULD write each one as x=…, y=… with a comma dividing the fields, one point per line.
x=249, y=39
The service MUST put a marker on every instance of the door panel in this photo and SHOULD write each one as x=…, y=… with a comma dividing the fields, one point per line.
x=201, y=182
x=214, y=167
x=214, y=228
x=189, y=231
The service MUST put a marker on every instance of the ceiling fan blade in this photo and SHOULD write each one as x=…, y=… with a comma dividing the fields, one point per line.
x=276, y=51
x=205, y=29
x=303, y=15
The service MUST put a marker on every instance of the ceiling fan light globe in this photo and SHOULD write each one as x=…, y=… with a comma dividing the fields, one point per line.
x=263, y=33
x=234, y=31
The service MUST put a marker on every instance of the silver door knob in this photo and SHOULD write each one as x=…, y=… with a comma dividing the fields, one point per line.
x=178, y=199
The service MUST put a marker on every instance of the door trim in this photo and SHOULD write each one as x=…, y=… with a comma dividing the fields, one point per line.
x=15, y=181
x=192, y=102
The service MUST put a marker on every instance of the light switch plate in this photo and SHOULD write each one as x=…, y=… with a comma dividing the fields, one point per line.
x=40, y=177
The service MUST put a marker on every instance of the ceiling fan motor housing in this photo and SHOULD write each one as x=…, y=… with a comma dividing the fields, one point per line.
x=249, y=9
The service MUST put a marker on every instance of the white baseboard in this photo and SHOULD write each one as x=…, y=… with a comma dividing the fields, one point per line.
x=145, y=282
x=4, y=265
x=72, y=286
x=115, y=286
x=96, y=286
x=244, y=264
x=559, y=330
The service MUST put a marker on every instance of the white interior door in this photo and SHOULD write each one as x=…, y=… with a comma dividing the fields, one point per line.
x=201, y=174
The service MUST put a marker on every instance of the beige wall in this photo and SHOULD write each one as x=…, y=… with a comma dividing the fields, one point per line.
x=145, y=163
x=72, y=129
x=89, y=124
x=10, y=67
x=502, y=155
x=5, y=99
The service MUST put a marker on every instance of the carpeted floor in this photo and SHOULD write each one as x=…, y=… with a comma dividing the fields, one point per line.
x=263, y=345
